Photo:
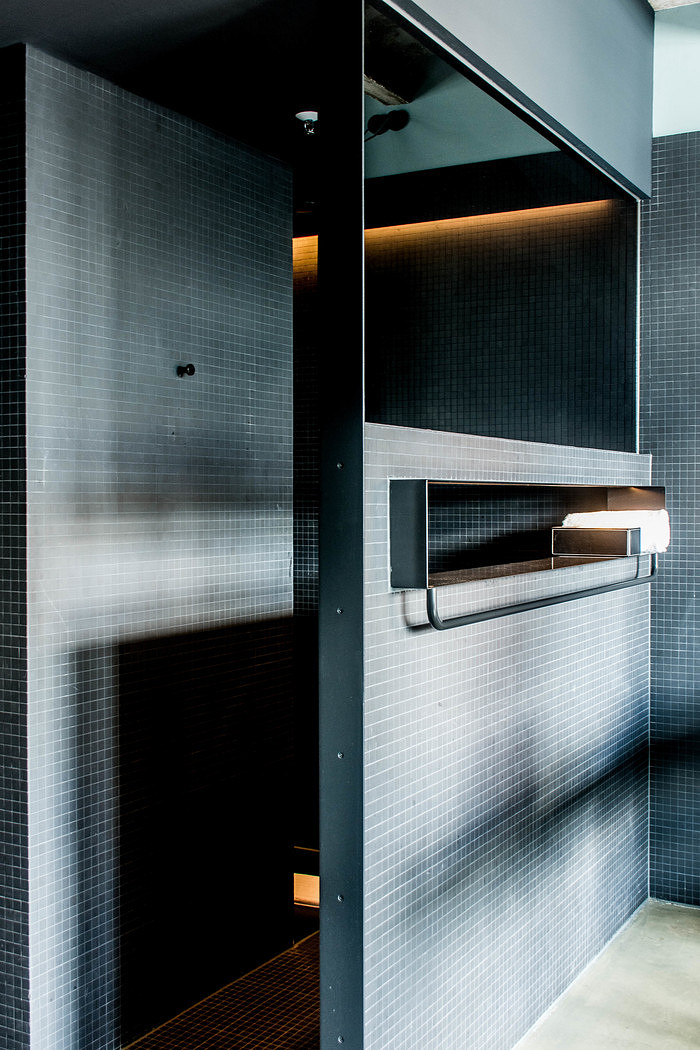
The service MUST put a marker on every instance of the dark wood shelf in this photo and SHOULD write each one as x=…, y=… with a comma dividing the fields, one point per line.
x=514, y=568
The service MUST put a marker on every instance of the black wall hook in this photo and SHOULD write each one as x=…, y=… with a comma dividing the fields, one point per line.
x=185, y=370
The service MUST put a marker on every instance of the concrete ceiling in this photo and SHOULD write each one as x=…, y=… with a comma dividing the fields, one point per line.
x=665, y=5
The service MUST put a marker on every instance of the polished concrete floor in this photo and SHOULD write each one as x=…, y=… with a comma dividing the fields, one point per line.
x=641, y=993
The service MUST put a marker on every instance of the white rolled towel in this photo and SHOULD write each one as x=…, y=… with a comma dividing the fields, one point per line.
x=654, y=524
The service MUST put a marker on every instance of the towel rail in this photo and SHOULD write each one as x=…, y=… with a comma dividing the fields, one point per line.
x=539, y=603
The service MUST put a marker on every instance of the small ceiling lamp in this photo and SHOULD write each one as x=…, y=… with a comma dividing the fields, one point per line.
x=309, y=118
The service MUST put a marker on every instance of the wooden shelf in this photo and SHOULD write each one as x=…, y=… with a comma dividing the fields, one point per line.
x=513, y=568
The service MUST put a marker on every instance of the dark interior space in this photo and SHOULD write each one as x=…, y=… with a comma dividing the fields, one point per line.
x=246, y=77
x=237, y=1016
x=207, y=775
x=243, y=69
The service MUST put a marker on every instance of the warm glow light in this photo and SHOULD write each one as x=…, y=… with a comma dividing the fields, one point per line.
x=307, y=890
x=305, y=249
x=590, y=209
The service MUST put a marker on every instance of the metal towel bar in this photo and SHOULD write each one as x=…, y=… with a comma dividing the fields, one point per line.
x=540, y=603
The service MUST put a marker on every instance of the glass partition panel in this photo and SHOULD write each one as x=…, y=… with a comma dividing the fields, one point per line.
x=500, y=267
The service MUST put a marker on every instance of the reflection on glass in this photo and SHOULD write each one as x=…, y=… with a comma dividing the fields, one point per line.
x=519, y=323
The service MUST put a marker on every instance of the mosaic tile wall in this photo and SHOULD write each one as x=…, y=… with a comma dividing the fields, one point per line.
x=670, y=395
x=517, y=325
x=306, y=510
x=14, y=887
x=160, y=543
x=487, y=529
x=505, y=769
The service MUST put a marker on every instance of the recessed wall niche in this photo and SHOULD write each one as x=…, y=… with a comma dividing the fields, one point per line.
x=500, y=270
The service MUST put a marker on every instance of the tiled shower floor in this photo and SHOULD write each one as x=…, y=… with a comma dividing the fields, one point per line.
x=276, y=1007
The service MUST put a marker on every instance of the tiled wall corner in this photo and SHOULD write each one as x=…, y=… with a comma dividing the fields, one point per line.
x=160, y=548
x=670, y=402
x=14, y=929
x=505, y=770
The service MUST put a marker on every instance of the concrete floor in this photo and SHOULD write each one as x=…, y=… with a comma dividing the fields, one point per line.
x=641, y=993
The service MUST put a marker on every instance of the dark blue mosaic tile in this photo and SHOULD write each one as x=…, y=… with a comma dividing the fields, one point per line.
x=14, y=886
x=670, y=389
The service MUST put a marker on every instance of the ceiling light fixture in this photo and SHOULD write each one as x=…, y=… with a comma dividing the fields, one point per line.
x=309, y=118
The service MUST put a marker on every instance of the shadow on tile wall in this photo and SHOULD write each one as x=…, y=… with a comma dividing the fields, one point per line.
x=197, y=732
